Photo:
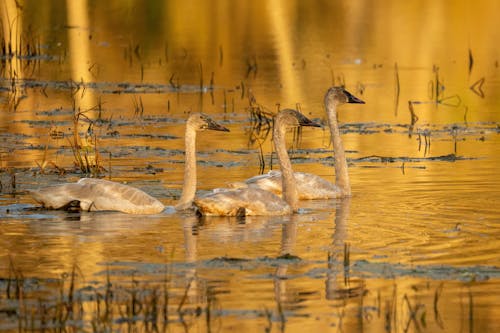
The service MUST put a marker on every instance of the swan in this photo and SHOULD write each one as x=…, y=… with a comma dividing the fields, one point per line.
x=255, y=201
x=311, y=186
x=104, y=195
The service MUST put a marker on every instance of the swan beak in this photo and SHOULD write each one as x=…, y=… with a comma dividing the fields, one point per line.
x=353, y=99
x=212, y=125
x=308, y=122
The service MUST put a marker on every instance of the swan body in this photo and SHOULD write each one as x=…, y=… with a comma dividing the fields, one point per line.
x=250, y=201
x=97, y=195
x=311, y=186
x=104, y=195
x=241, y=202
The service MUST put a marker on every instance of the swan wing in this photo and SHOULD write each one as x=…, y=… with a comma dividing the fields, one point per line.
x=57, y=196
x=309, y=186
x=99, y=195
x=270, y=181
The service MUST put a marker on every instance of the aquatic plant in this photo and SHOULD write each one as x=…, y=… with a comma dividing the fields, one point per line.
x=85, y=156
x=261, y=124
x=68, y=303
x=138, y=107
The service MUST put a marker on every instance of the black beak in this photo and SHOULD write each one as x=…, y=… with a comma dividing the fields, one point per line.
x=212, y=125
x=310, y=123
x=352, y=99
x=304, y=121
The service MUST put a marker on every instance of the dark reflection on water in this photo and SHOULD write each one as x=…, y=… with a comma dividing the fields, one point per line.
x=415, y=248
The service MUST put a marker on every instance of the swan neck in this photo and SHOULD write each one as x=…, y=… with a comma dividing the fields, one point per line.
x=341, y=169
x=290, y=192
x=189, y=187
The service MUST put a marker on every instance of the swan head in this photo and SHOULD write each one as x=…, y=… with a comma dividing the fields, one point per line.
x=201, y=122
x=293, y=118
x=338, y=96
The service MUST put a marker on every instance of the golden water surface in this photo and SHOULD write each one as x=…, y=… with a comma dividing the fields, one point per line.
x=416, y=248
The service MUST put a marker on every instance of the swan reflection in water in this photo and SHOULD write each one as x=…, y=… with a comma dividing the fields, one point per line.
x=339, y=285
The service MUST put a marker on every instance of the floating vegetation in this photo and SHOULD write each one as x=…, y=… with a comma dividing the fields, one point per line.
x=390, y=159
x=103, y=87
x=8, y=180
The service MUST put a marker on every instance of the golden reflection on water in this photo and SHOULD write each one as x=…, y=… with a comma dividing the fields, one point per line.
x=143, y=67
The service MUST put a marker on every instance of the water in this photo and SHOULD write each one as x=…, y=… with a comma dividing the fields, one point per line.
x=415, y=248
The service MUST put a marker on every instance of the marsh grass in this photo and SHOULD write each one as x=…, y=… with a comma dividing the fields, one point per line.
x=85, y=156
x=45, y=164
x=261, y=125
x=413, y=118
x=397, y=88
x=138, y=107
x=84, y=147
x=34, y=309
x=20, y=55
x=71, y=304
